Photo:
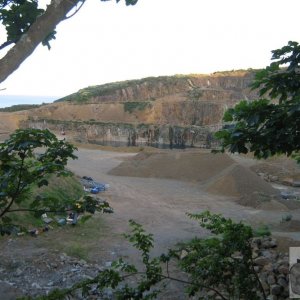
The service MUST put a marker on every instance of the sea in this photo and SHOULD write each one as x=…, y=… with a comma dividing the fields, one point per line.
x=10, y=100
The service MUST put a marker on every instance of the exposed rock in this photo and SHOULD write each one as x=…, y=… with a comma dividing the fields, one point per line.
x=262, y=261
x=282, y=282
x=139, y=112
x=283, y=269
x=296, y=183
x=271, y=279
x=287, y=181
x=273, y=178
x=275, y=289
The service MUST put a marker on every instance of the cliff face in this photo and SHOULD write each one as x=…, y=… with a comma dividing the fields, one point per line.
x=233, y=84
x=178, y=110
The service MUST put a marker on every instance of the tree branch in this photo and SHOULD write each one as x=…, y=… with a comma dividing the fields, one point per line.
x=5, y=44
x=164, y=277
x=76, y=11
x=46, y=23
x=17, y=192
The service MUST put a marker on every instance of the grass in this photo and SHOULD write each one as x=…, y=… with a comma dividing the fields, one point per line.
x=77, y=250
x=82, y=241
x=262, y=230
x=61, y=188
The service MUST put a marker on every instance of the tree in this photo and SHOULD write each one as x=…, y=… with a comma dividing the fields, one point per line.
x=27, y=159
x=271, y=125
x=27, y=26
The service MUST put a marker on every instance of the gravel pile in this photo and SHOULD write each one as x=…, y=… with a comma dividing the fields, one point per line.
x=246, y=186
x=216, y=173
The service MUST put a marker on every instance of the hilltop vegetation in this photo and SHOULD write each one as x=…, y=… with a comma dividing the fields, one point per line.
x=169, y=82
x=85, y=94
x=20, y=107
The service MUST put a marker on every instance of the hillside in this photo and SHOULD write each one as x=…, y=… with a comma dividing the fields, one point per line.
x=181, y=110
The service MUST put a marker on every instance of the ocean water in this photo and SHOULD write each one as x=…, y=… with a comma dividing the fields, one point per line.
x=10, y=100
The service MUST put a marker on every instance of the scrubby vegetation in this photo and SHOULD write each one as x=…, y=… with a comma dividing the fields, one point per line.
x=29, y=158
x=134, y=106
x=61, y=188
x=20, y=107
x=88, y=93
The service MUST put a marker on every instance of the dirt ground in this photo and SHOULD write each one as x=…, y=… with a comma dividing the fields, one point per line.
x=157, y=189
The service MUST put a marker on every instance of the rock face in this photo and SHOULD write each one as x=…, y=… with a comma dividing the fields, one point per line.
x=232, y=85
x=174, y=111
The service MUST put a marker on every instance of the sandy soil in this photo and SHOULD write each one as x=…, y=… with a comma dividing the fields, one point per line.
x=158, y=189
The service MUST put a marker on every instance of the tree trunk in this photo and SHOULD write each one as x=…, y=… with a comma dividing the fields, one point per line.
x=45, y=24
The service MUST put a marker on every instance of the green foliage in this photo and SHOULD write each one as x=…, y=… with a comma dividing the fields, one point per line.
x=78, y=251
x=262, y=230
x=63, y=189
x=27, y=159
x=91, y=92
x=20, y=107
x=18, y=15
x=286, y=218
x=132, y=106
x=221, y=264
x=269, y=126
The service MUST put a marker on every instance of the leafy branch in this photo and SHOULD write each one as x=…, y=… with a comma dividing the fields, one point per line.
x=221, y=264
x=270, y=125
x=27, y=159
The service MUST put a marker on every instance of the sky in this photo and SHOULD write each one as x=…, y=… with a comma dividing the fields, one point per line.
x=106, y=42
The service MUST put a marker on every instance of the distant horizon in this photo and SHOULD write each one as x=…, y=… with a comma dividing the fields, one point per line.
x=11, y=100
x=8, y=100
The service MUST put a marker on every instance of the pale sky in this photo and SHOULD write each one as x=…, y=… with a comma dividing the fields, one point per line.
x=107, y=42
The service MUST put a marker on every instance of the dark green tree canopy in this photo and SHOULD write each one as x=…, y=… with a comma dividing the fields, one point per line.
x=271, y=124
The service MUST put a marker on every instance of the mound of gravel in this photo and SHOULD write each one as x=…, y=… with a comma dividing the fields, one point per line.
x=248, y=188
x=178, y=165
x=216, y=173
